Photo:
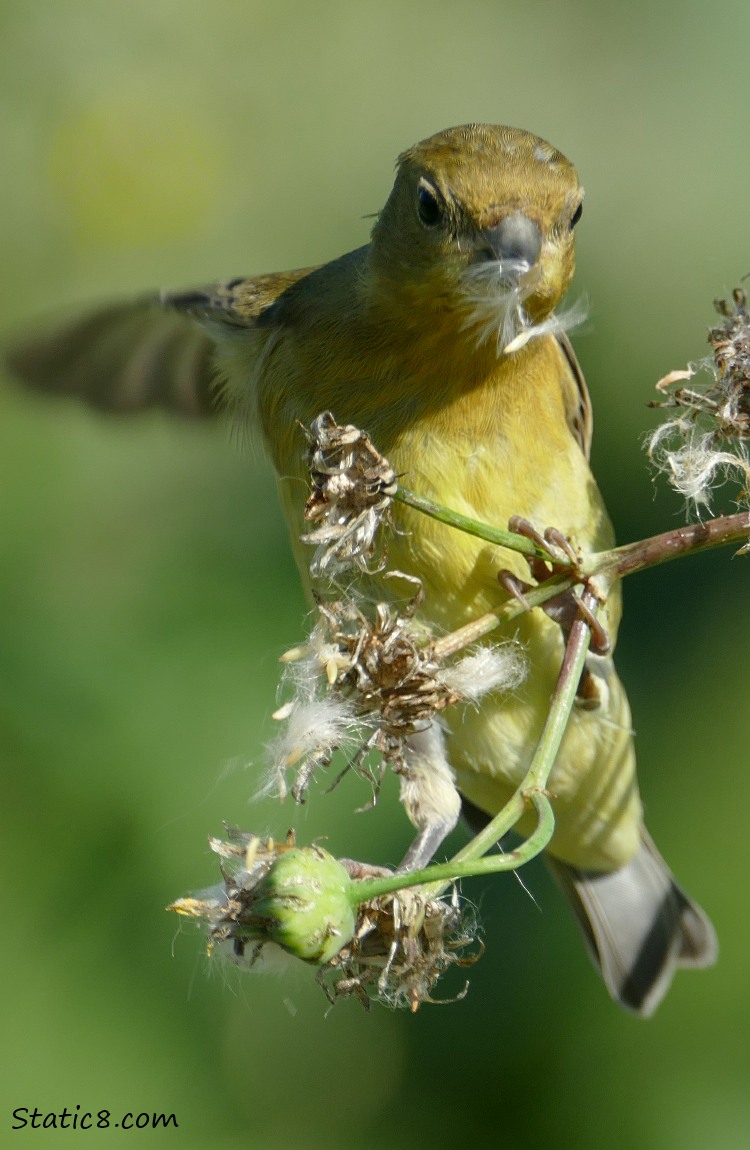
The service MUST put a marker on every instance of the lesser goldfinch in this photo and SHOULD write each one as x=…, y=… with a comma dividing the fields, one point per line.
x=441, y=339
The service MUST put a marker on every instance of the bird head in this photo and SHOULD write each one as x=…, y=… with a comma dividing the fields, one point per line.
x=480, y=222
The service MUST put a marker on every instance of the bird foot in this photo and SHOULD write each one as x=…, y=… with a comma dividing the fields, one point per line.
x=562, y=558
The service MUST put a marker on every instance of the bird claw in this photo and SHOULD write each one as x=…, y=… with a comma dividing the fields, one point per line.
x=559, y=551
x=515, y=587
x=360, y=870
x=569, y=606
x=589, y=694
x=554, y=539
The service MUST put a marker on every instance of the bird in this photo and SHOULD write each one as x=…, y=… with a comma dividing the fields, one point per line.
x=444, y=338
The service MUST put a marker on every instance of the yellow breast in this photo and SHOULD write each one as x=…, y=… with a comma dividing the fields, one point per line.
x=494, y=445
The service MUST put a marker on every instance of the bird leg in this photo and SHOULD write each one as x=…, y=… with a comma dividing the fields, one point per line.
x=565, y=608
x=428, y=794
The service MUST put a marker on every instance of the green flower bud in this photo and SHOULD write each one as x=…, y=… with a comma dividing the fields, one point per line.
x=303, y=904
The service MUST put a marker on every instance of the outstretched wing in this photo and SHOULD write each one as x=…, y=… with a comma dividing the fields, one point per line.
x=122, y=358
x=151, y=352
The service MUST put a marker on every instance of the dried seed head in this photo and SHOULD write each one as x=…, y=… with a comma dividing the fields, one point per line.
x=352, y=489
x=707, y=441
x=402, y=945
x=367, y=681
x=276, y=897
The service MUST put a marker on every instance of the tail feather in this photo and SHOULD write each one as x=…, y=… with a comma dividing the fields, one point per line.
x=639, y=926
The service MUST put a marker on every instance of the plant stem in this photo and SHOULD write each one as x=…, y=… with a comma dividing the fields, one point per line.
x=725, y=530
x=499, y=535
x=615, y=563
x=477, y=629
x=694, y=537
x=441, y=875
x=469, y=860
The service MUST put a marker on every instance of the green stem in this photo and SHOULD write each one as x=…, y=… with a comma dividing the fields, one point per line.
x=615, y=563
x=498, y=535
x=477, y=629
x=469, y=861
x=442, y=874
x=723, y=531
x=561, y=706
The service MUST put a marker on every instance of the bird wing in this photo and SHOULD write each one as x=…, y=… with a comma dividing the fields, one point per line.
x=156, y=351
x=580, y=418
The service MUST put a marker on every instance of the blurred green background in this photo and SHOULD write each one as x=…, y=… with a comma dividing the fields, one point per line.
x=147, y=587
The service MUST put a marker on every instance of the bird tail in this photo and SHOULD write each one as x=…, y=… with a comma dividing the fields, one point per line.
x=638, y=925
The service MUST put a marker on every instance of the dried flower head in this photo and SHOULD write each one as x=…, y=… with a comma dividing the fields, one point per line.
x=352, y=488
x=706, y=443
x=402, y=945
x=279, y=898
x=368, y=681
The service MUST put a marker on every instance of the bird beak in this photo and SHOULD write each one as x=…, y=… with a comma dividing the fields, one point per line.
x=515, y=242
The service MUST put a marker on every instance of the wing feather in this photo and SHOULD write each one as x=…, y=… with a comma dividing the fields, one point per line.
x=152, y=352
x=580, y=418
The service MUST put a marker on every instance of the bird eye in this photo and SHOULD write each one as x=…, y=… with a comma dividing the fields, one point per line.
x=576, y=215
x=428, y=205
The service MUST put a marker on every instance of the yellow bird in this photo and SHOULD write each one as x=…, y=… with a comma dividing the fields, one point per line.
x=440, y=338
